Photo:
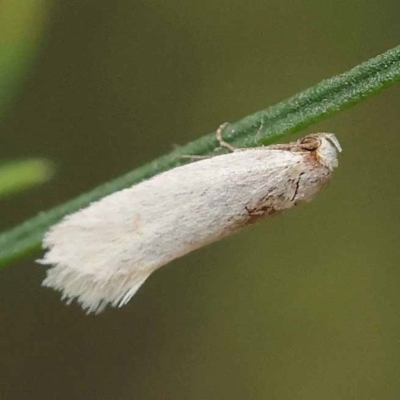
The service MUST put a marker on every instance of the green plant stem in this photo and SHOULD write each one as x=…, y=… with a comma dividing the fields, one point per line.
x=298, y=112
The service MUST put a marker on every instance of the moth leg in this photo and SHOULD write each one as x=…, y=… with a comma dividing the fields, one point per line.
x=258, y=134
x=221, y=141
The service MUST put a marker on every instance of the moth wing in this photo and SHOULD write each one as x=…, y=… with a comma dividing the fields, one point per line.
x=103, y=253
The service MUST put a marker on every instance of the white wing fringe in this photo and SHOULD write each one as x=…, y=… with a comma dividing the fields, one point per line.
x=92, y=293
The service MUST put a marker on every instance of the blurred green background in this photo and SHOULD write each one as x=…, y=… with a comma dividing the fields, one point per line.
x=303, y=306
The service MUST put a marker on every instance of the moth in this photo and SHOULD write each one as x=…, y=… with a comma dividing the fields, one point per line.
x=103, y=253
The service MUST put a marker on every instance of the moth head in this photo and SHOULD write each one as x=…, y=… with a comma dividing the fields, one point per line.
x=325, y=146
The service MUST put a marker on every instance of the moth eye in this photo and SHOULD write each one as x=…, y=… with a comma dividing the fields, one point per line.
x=310, y=143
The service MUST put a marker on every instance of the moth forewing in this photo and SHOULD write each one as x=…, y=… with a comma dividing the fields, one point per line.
x=103, y=253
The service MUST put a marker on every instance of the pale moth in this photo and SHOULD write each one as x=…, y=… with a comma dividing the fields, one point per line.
x=102, y=254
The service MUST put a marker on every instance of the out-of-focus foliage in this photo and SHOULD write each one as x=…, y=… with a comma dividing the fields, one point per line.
x=20, y=175
x=22, y=24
